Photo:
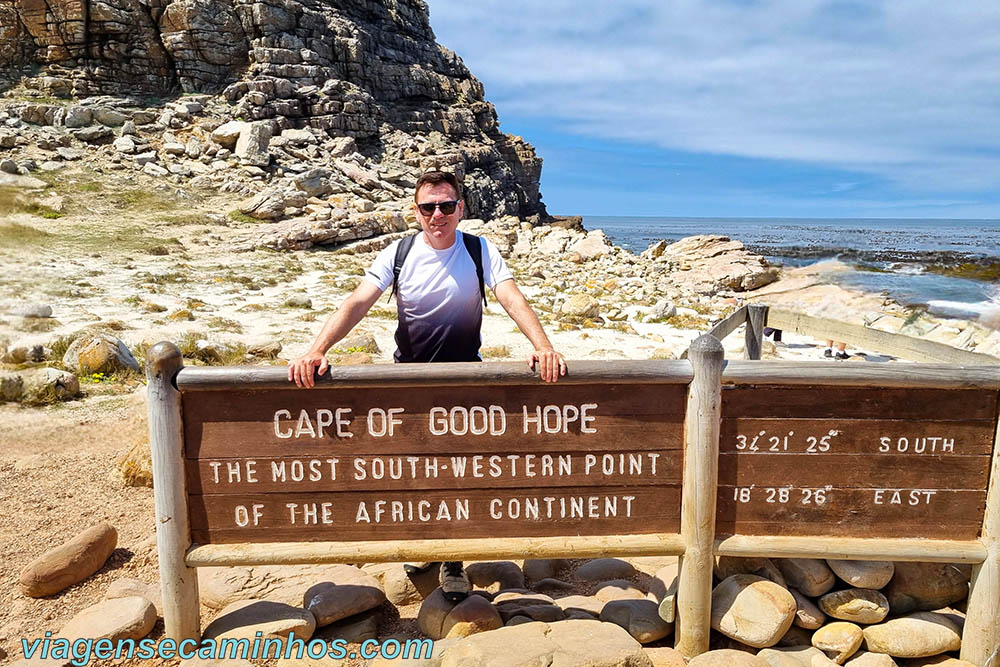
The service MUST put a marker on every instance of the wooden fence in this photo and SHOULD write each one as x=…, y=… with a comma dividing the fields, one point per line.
x=695, y=458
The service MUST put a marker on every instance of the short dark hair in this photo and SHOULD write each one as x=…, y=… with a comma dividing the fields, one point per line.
x=436, y=177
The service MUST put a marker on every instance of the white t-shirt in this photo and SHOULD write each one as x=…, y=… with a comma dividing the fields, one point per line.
x=437, y=299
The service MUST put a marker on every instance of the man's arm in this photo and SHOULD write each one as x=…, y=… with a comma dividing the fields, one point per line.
x=337, y=326
x=550, y=363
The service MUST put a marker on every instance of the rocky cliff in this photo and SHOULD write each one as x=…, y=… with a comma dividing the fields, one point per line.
x=366, y=69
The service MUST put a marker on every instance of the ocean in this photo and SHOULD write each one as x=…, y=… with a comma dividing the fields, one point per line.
x=914, y=261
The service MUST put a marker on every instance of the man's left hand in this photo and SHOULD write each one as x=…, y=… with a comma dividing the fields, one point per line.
x=550, y=364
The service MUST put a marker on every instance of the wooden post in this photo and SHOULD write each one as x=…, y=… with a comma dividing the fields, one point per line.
x=754, y=333
x=178, y=582
x=701, y=471
x=981, y=634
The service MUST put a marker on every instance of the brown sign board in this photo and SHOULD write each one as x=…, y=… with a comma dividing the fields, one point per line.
x=419, y=462
x=854, y=461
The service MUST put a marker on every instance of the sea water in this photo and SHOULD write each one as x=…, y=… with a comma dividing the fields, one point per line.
x=885, y=255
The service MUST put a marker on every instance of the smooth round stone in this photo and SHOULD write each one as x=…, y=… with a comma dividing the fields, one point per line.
x=664, y=656
x=618, y=589
x=727, y=657
x=857, y=605
x=330, y=602
x=918, y=635
x=796, y=636
x=840, y=637
x=69, y=563
x=123, y=588
x=807, y=614
x=752, y=610
x=536, y=569
x=604, y=569
x=585, y=603
x=727, y=566
x=936, y=661
x=244, y=618
x=792, y=656
x=438, y=618
x=863, y=573
x=925, y=587
x=866, y=659
x=811, y=576
x=495, y=575
x=121, y=618
x=640, y=618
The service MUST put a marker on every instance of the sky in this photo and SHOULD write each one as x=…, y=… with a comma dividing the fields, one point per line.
x=748, y=108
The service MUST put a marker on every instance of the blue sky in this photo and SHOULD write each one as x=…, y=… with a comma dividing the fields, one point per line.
x=793, y=108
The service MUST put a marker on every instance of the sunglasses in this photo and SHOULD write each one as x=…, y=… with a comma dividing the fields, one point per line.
x=447, y=207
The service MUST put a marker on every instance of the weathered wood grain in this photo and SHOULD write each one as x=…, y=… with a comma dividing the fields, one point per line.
x=859, y=403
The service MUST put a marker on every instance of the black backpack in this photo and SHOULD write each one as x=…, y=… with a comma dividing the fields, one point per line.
x=473, y=244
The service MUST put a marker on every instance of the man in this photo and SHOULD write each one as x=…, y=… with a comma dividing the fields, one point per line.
x=439, y=305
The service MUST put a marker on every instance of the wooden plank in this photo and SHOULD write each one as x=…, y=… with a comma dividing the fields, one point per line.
x=178, y=582
x=435, y=514
x=753, y=336
x=852, y=548
x=897, y=345
x=853, y=471
x=408, y=472
x=942, y=376
x=204, y=378
x=290, y=553
x=307, y=422
x=855, y=512
x=859, y=403
x=729, y=324
x=857, y=436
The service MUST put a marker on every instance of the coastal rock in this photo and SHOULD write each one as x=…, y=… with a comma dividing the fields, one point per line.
x=228, y=133
x=252, y=144
x=123, y=618
x=220, y=586
x=918, y=635
x=811, y=576
x=595, y=244
x=581, y=306
x=841, y=638
x=98, y=353
x=330, y=602
x=872, y=574
x=69, y=563
x=244, y=618
x=752, y=610
x=857, y=605
x=707, y=264
x=925, y=586
x=639, y=617
x=572, y=642
x=727, y=657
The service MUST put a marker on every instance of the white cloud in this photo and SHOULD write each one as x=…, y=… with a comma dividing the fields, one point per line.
x=908, y=91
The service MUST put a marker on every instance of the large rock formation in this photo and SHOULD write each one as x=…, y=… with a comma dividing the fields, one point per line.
x=367, y=69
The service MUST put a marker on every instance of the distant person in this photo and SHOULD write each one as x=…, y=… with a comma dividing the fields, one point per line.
x=438, y=277
x=841, y=350
x=774, y=333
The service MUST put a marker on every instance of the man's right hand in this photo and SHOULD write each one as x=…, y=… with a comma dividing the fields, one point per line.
x=300, y=371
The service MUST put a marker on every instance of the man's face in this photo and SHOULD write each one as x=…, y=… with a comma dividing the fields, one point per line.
x=439, y=227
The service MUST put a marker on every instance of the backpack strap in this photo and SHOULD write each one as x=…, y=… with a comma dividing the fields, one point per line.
x=474, y=245
x=402, y=250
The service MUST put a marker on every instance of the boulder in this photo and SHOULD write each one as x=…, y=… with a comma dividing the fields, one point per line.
x=918, y=635
x=727, y=657
x=244, y=618
x=314, y=182
x=122, y=618
x=841, y=638
x=595, y=244
x=45, y=385
x=752, y=610
x=123, y=588
x=253, y=142
x=330, y=602
x=640, y=618
x=925, y=586
x=98, y=353
x=710, y=263
x=267, y=205
x=811, y=576
x=857, y=605
x=220, y=586
x=601, y=569
x=136, y=465
x=439, y=619
x=69, y=563
x=228, y=133
x=401, y=588
x=872, y=574
x=495, y=575
x=571, y=642
x=581, y=306
x=618, y=589
x=40, y=310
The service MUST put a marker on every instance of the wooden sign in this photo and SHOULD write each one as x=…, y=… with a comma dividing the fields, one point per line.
x=854, y=462
x=417, y=462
